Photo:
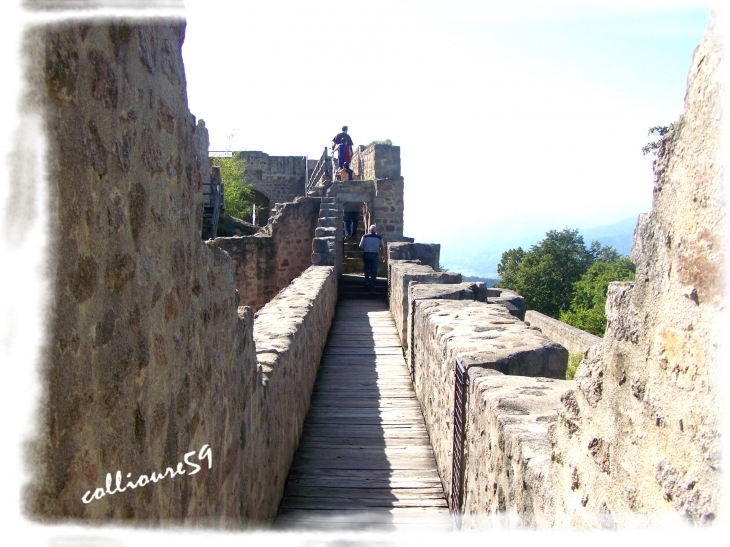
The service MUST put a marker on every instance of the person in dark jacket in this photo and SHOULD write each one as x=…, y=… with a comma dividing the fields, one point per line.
x=371, y=244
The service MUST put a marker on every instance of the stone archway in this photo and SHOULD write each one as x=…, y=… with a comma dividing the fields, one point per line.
x=262, y=204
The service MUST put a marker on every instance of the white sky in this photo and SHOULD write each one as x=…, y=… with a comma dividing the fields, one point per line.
x=512, y=118
x=531, y=115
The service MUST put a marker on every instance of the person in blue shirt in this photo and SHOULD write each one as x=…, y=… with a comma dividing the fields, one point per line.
x=371, y=245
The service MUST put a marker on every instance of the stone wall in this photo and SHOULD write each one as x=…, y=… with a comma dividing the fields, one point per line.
x=400, y=275
x=279, y=178
x=427, y=254
x=266, y=262
x=638, y=440
x=290, y=334
x=575, y=340
x=377, y=161
x=148, y=356
x=511, y=398
x=327, y=243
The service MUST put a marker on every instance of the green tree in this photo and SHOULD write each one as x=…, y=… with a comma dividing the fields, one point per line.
x=509, y=266
x=587, y=309
x=545, y=274
x=238, y=195
x=603, y=253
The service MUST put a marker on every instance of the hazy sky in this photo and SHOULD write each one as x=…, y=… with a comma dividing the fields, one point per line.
x=512, y=117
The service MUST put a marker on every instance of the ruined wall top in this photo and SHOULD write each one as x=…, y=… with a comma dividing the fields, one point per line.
x=279, y=178
x=377, y=161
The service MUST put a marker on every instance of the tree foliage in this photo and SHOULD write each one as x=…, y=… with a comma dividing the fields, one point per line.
x=587, y=309
x=562, y=278
x=238, y=195
x=545, y=274
x=658, y=131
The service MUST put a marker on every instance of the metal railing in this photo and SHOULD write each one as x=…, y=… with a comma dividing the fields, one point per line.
x=318, y=171
x=461, y=383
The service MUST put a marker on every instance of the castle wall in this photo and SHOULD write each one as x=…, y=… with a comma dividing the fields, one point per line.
x=266, y=262
x=639, y=436
x=401, y=274
x=514, y=376
x=290, y=334
x=575, y=340
x=279, y=178
x=148, y=356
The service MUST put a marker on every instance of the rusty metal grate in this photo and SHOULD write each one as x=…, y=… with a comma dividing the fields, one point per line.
x=411, y=351
x=461, y=383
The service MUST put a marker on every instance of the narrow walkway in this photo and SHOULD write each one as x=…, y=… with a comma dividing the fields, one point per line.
x=364, y=461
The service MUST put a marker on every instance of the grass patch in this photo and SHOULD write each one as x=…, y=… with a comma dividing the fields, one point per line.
x=574, y=360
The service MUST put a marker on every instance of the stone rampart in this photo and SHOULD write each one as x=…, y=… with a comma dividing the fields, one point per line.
x=401, y=274
x=279, y=178
x=148, y=356
x=424, y=253
x=290, y=334
x=266, y=262
x=512, y=395
x=575, y=340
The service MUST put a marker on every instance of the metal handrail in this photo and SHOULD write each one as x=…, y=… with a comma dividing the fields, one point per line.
x=318, y=171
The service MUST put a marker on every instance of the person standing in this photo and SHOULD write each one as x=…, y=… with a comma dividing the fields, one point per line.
x=351, y=211
x=371, y=245
x=342, y=143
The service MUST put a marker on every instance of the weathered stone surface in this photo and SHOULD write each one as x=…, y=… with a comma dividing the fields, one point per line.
x=507, y=453
x=229, y=226
x=400, y=275
x=149, y=357
x=266, y=262
x=146, y=357
x=377, y=161
x=488, y=336
x=290, y=333
x=425, y=253
x=279, y=178
x=575, y=340
x=514, y=302
x=641, y=431
x=491, y=343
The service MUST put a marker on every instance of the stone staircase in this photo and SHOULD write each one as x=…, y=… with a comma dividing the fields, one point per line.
x=353, y=286
x=351, y=253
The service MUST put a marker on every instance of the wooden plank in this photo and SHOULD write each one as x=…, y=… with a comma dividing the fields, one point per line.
x=364, y=460
x=372, y=474
x=296, y=502
x=393, y=483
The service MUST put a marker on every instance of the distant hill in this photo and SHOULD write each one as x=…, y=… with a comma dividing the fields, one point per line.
x=488, y=280
x=619, y=235
x=481, y=262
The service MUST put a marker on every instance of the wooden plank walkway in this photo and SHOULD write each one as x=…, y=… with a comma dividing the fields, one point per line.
x=365, y=461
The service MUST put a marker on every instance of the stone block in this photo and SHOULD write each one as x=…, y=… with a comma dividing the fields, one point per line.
x=400, y=275
x=575, y=340
x=426, y=253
